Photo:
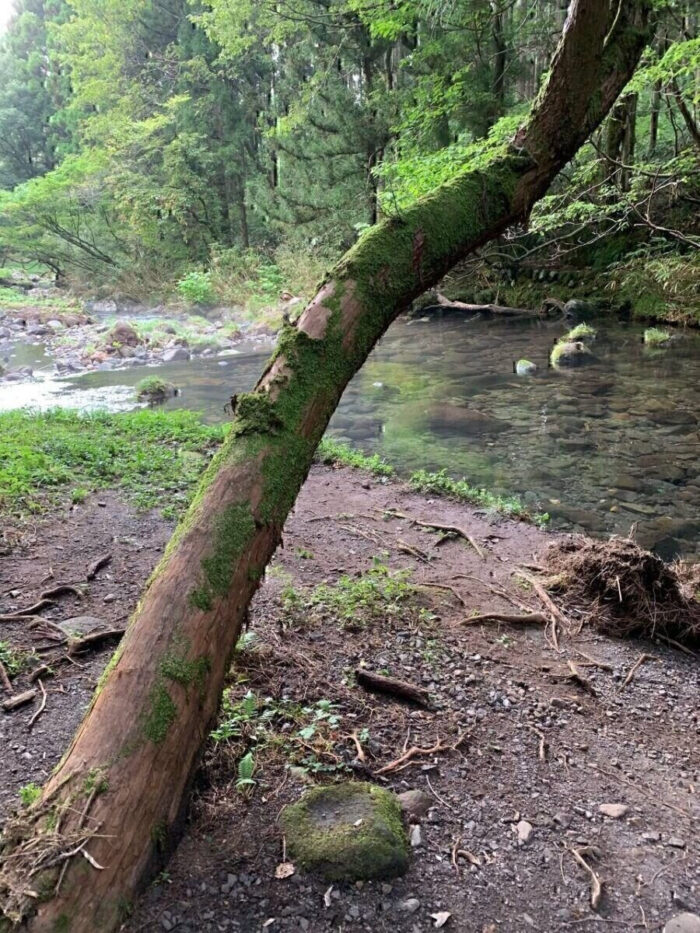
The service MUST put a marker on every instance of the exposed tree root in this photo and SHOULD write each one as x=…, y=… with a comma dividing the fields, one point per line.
x=529, y=618
x=409, y=754
x=634, y=593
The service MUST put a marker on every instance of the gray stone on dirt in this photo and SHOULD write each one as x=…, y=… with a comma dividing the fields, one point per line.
x=410, y=905
x=614, y=810
x=415, y=837
x=82, y=625
x=675, y=842
x=347, y=832
x=524, y=831
x=683, y=923
x=414, y=804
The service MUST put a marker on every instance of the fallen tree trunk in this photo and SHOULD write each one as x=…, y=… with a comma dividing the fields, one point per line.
x=441, y=301
x=109, y=814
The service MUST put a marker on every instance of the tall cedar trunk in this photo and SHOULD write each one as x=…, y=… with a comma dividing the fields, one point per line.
x=122, y=785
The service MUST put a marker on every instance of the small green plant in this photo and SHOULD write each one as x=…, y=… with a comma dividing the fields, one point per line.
x=656, y=337
x=78, y=495
x=246, y=768
x=29, y=794
x=13, y=660
x=335, y=452
x=440, y=484
x=196, y=288
x=303, y=554
x=355, y=602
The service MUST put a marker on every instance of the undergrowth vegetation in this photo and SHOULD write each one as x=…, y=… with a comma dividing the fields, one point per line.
x=441, y=484
x=380, y=594
x=154, y=457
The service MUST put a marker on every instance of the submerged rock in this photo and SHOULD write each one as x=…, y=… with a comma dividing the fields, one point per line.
x=578, y=310
x=347, y=832
x=451, y=419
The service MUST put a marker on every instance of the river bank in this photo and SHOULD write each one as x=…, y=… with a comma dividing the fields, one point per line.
x=545, y=760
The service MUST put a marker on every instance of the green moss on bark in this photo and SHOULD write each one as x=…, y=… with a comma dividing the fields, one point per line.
x=161, y=714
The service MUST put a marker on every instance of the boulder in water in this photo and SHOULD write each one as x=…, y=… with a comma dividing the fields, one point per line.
x=448, y=418
x=577, y=310
x=570, y=353
x=153, y=390
x=524, y=368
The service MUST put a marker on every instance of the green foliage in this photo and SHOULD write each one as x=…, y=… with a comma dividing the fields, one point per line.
x=29, y=794
x=441, y=484
x=14, y=660
x=377, y=595
x=334, y=452
x=655, y=337
x=141, y=452
x=196, y=288
x=246, y=769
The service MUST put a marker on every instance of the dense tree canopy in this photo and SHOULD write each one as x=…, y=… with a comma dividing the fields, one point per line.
x=140, y=139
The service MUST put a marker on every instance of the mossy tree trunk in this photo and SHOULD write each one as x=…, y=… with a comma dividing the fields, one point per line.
x=121, y=789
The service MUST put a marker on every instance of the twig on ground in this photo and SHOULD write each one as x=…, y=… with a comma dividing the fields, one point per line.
x=42, y=706
x=596, y=884
x=5, y=679
x=97, y=565
x=445, y=586
x=413, y=551
x=377, y=683
x=438, y=526
x=635, y=667
x=437, y=796
x=43, y=671
x=19, y=699
x=542, y=750
x=577, y=677
x=594, y=662
x=406, y=759
x=358, y=747
x=530, y=618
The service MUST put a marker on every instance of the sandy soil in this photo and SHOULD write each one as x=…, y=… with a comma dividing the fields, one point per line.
x=540, y=753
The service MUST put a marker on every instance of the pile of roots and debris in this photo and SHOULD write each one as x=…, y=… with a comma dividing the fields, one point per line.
x=631, y=592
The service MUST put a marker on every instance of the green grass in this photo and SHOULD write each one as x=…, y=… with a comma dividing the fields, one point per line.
x=330, y=451
x=155, y=457
x=656, y=337
x=440, y=484
x=355, y=602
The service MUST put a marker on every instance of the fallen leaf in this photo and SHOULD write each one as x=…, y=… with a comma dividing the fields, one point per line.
x=284, y=870
x=441, y=918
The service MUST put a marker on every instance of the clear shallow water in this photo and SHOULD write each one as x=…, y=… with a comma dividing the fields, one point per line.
x=600, y=448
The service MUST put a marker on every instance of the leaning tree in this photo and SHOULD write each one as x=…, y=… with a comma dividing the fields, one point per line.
x=113, y=807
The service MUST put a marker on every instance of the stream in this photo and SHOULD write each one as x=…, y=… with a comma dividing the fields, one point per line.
x=600, y=448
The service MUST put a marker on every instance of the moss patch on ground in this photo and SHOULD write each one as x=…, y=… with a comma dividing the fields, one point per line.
x=155, y=457
x=347, y=832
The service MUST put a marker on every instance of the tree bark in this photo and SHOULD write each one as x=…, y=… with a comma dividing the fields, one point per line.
x=120, y=792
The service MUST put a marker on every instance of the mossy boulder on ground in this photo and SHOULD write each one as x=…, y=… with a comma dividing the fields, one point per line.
x=347, y=832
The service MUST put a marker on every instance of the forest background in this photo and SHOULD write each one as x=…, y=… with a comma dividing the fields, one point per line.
x=229, y=151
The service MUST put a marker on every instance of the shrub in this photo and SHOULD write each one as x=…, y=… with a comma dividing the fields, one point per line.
x=196, y=288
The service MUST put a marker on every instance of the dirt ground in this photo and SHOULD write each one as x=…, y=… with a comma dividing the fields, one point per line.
x=512, y=806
